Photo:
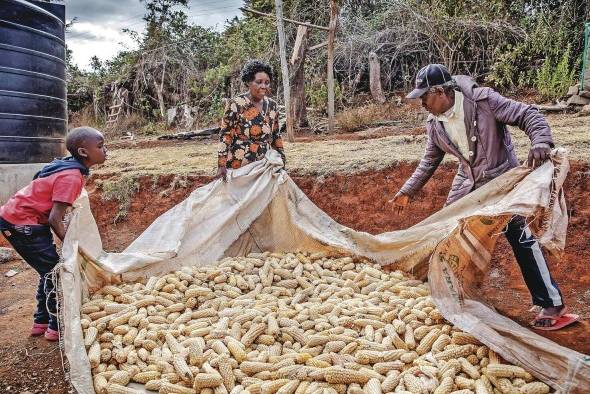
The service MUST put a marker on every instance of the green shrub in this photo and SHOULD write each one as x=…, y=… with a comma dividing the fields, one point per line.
x=317, y=95
x=555, y=76
x=122, y=191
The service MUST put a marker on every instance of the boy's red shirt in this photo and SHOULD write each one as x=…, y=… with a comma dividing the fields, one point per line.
x=32, y=204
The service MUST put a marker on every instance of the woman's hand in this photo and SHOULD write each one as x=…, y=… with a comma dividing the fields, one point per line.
x=221, y=173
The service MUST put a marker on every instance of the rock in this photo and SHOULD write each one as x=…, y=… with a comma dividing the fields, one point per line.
x=8, y=254
x=181, y=116
x=585, y=111
x=584, y=93
x=573, y=90
x=11, y=273
x=552, y=108
x=171, y=115
x=578, y=100
x=187, y=118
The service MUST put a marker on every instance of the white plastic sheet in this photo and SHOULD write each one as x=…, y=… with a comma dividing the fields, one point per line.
x=260, y=208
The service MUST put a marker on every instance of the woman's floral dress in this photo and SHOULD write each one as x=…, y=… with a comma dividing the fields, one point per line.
x=248, y=133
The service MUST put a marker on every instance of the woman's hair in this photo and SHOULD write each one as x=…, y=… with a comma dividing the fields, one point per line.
x=252, y=67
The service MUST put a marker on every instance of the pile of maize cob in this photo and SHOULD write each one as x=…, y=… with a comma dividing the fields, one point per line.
x=286, y=323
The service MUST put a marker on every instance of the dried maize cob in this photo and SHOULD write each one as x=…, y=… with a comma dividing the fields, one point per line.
x=146, y=376
x=171, y=388
x=373, y=386
x=113, y=388
x=204, y=380
x=94, y=354
x=121, y=378
x=535, y=388
x=182, y=368
x=100, y=384
x=505, y=371
x=339, y=375
x=446, y=386
x=427, y=342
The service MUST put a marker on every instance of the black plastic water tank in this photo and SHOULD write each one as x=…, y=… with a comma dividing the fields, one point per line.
x=33, y=107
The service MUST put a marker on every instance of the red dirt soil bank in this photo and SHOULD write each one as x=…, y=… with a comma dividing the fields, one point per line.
x=358, y=201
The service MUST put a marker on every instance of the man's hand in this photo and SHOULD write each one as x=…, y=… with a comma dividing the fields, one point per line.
x=399, y=201
x=221, y=173
x=538, y=154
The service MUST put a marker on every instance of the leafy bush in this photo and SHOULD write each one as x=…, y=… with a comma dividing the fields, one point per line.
x=556, y=75
x=548, y=57
x=122, y=191
x=317, y=95
x=152, y=129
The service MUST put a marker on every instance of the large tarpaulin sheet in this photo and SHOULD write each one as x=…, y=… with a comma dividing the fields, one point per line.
x=260, y=208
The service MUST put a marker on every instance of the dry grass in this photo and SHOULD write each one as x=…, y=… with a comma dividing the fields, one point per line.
x=355, y=119
x=85, y=117
x=324, y=157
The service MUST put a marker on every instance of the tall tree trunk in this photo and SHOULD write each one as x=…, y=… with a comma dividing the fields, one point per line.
x=95, y=105
x=298, y=104
x=160, y=92
x=375, y=78
x=330, y=84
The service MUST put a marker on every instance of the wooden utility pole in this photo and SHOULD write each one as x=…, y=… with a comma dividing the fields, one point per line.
x=375, y=78
x=298, y=61
x=284, y=70
x=331, y=37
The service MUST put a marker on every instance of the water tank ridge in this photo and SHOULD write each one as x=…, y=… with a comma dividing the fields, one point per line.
x=33, y=92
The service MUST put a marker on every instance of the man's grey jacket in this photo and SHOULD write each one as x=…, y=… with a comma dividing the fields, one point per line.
x=491, y=152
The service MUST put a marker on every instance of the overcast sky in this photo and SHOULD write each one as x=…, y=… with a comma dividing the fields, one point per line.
x=98, y=29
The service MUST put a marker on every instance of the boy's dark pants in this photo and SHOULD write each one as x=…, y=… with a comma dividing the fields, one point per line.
x=530, y=258
x=35, y=245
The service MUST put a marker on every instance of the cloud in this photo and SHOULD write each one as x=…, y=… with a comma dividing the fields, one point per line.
x=87, y=39
x=99, y=24
x=105, y=10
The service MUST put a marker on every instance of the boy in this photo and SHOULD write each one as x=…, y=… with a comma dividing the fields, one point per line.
x=27, y=218
x=469, y=122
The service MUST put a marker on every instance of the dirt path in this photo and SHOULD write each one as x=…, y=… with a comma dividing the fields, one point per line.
x=28, y=364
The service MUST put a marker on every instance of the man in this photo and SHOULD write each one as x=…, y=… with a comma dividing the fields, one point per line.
x=469, y=122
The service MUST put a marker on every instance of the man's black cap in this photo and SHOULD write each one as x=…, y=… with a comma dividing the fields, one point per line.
x=427, y=77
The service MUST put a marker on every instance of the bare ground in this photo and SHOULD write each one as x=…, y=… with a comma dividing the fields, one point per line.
x=350, y=176
x=320, y=156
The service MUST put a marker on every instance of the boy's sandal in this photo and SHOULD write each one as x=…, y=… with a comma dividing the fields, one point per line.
x=51, y=335
x=38, y=329
x=557, y=321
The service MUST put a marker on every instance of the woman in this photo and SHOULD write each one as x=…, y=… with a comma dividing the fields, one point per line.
x=250, y=125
